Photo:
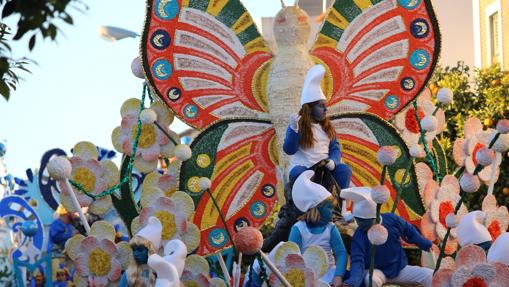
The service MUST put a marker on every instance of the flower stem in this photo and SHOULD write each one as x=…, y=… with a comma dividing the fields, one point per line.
x=165, y=133
x=399, y=191
x=423, y=140
x=222, y=217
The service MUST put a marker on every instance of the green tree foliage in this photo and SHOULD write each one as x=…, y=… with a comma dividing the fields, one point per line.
x=483, y=94
x=36, y=18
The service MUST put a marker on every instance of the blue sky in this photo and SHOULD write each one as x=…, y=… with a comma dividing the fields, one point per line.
x=79, y=83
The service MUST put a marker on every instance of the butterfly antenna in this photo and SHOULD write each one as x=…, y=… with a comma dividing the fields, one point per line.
x=282, y=4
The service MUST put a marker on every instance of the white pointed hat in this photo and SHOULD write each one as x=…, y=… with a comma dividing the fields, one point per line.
x=152, y=232
x=499, y=249
x=364, y=206
x=311, y=90
x=175, y=252
x=307, y=194
x=471, y=229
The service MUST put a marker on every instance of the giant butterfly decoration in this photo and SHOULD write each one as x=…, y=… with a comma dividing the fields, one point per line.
x=208, y=62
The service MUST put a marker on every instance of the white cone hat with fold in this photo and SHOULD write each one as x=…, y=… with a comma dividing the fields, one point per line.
x=175, y=252
x=363, y=204
x=471, y=229
x=307, y=194
x=311, y=90
x=500, y=249
x=152, y=232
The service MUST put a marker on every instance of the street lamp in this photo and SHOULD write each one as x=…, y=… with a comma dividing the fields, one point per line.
x=112, y=34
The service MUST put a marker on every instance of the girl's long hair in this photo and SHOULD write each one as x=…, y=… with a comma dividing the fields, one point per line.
x=306, y=133
x=312, y=216
x=134, y=271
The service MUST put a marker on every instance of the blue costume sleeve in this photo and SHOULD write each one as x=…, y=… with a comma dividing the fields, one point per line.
x=291, y=143
x=123, y=280
x=339, y=250
x=335, y=151
x=357, y=263
x=411, y=235
x=59, y=232
x=295, y=236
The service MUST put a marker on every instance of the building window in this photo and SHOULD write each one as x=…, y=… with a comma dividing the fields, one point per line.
x=494, y=34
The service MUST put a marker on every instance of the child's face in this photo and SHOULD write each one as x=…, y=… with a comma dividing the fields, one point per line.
x=325, y=212
x=61, y=277
x=319, y=110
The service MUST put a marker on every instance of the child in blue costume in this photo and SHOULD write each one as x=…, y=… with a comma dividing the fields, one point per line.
x=310, y=136
x=315, y=227
x=391, y=263
x=61, y=228
x=145, y=243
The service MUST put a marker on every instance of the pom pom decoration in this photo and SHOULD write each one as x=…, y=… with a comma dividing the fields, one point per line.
x=501, y=145
x=377, y=234
x=429, y=123
x=148, y=116
x=470, y=183
x=445, y=96
x=59, y=168
x=503, y=126
x=248, y=240
x=380, y=194
x=451, y=220
x=183, y=152
x=205, y=183
x=484, y=156
x=387, y=155
x=136, y=68
x=417, y=151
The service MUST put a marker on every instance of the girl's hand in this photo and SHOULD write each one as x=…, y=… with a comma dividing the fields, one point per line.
x=338, y=281
x=294, y=122
x=330, y=165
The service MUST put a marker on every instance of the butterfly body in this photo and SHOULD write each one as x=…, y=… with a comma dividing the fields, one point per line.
x=288, y=70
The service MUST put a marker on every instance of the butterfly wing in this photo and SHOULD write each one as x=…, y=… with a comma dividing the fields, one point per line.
x=379, y=54
x=240, y=158
x=206, y=60
x=361, y=135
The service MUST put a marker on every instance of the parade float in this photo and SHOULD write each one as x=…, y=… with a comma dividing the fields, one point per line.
x=206, y=63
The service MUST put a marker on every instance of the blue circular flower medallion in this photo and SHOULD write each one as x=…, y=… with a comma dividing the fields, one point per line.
x=268, y=190
x=409, y=4
x=391, y=102
x=407, y=84
x=190, y=111
x=240, y=223
x=258, y=209
x=419, y=59
x=166, y=9
x=162, y=69
x=29, y=228
x=174, y=94
x=419, y=28
x=218, y=237
x=160, y=39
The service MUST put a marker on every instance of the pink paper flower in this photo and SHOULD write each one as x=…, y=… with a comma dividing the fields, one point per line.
x=93, y=175
x=173, y=212
x=472, y=269
x=465, y=149
x=152, y=142
x=407, y=123
x=497, y=217
x=300, y=269
x=197, y=273
x=98, y=259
